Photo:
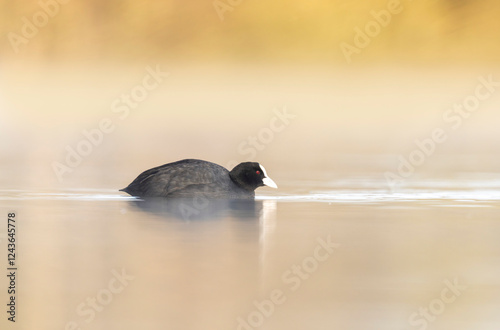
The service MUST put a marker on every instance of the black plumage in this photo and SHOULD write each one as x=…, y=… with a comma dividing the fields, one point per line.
x=198, y=178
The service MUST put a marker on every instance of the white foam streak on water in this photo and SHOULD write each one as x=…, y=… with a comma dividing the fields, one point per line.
x=458, y=197
x=479, y=190
x=462, y=191
x=87, y=196
x=381, y=196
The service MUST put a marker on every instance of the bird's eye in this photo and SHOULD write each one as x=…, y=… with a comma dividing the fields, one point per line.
x=258, y=172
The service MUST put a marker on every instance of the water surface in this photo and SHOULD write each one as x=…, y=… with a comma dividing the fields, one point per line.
x=335, y=247
x=213, y=265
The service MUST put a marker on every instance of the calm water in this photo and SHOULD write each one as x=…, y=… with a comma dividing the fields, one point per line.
x=333, y=248
x=344, y=253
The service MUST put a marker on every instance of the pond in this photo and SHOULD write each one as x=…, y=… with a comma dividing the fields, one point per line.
x=325, y=254
x=360, y=234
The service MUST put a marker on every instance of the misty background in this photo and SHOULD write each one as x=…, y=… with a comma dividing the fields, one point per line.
x=230, y=65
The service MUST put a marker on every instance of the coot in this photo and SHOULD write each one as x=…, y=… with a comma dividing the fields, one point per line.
x=198, y=178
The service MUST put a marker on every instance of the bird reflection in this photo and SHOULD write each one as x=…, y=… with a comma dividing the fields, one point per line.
x=187, y=209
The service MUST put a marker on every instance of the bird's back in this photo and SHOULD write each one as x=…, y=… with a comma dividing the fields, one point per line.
x=179, y=178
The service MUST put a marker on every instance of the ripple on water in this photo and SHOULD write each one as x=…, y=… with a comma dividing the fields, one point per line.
x=480, y=193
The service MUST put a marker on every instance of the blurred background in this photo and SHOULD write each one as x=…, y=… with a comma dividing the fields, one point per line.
x=284, y=31
x=329, y=96
x=64, y=64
